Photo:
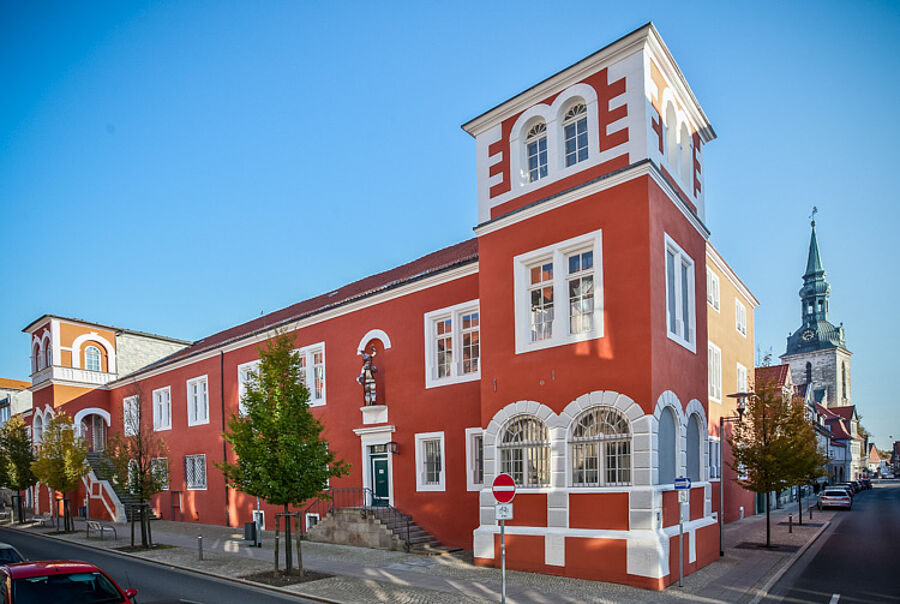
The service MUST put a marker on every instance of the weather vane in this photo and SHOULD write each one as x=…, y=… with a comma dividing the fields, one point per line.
x=812, y=216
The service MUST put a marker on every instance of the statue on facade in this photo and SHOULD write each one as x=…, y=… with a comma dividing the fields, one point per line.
x=367, y=378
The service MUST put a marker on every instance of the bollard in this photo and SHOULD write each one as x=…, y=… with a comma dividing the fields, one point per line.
x=810, y=512
x=790, y=523
x=199, y=547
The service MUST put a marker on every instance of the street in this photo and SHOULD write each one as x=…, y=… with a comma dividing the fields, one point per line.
x=155, y=583
x=850, y=562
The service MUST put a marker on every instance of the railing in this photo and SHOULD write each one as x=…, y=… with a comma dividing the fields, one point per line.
x=71, y=374
x=357, y=498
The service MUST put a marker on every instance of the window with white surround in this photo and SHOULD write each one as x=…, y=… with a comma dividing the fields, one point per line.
x=91, y=358
x=453, y=344
x=525, y=451
x=198, y=401
x=245, y=370
x=712, y=289
x=536, y=151
x=312, y=519
x=714, y=363
x=195, y=471
x=558, y=293
x=713, y=444
x=162, y=408
x=600, y=448
x=474, y=459
x=312, y=371
x=680, y=310
x=740, y=317
x=575, y=133
x=159, y=466
x=741, y=378
x=430, y=468
x=131, y=415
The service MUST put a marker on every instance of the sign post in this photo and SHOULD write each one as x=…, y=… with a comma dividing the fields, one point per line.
x=504, y=490
x=682, y=485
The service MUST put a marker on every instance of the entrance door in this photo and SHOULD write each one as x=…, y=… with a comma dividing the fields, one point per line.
x=380, y=480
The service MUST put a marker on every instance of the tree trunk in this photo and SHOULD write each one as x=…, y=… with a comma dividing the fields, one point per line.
x=768, y=524
x=149, y=532
x=276, y=544
x=288, y=549
x=800, y=503
x=299, y=551
x=143, y=525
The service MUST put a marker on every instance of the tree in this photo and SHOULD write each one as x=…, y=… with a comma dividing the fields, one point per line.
x=61, y=459
x=136, y=455
x=16, y=457
x=808, y=462
x=281, y=457
x=762, y=445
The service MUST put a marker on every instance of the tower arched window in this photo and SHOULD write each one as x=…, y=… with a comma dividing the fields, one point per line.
x=668, y=447
x=92, y=358
x=575, y=133
x=49, y=361
x=536, y=151
x=686, y=159
x=37, y=359
x=600, y=448
x=844, y=379
x=693, y=448
x=671, y=136
x=525, y=452
x=37, y=430
x=808, y=372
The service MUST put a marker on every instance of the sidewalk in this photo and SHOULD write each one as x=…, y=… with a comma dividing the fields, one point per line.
x=364, y=575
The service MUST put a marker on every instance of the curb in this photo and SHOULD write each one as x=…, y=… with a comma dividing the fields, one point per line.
x=763, y=591
x=186, y=569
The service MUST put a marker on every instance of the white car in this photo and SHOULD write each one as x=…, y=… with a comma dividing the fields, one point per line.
x=835, y=498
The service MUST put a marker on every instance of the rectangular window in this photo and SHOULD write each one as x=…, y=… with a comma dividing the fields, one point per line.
x=195, y=471
x=318, y=364
x=160, y=468
x=430, y=461
x=712, y=289
x=740, y=317
x=714, y=362
x=741, y=378
x=131, y=415
x=715, y=470
x=537, y=158
x=568, y=272
x=457, y=328
x=581, y=292
x=474, y=459
x=162, y=408
x=245, y=372
x=198, y=401
x=311, y=520
x=576, y=141
x=312, y=371
x=680, y=295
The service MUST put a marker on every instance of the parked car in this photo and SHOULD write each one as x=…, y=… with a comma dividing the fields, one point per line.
x=9, y=554
x=844, y=487
x=59, y=581
x=847, y=485
x=835, y=498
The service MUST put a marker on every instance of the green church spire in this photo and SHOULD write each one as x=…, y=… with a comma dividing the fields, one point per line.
x=813, y=262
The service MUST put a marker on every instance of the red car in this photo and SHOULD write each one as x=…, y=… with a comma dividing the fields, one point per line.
x=59, y=582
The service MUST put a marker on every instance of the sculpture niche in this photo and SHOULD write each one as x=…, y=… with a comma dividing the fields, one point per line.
x=367, y=378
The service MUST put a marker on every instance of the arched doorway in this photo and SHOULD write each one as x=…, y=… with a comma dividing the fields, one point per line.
x=93, y=425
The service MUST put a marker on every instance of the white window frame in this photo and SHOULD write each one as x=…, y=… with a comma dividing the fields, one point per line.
x=681, y=257
x=455, y=313
x=557, y=253
x=87, y=365
x=242, y=371
x=536, y=140
x=158, y=425
x=713, y=290
x=471, y=458
x=197, y=420
x=130, y=406
x=308, y=353
x=742, y=387
x=573, y=121
x=712, y=447
x=187, y=486
x=420, y=440
x=714, y=363
x=308, y=517
x=740, y=317
x=164, y=460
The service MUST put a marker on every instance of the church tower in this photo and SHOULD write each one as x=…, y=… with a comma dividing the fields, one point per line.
x=817, y=351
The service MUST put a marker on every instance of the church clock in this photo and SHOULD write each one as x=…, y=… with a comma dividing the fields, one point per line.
x=807, y=335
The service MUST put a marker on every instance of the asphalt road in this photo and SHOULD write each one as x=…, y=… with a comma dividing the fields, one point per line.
x=155, y=584
x=855, y=560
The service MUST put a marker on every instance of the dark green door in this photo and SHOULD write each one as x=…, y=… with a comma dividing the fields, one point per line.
x=380, y=485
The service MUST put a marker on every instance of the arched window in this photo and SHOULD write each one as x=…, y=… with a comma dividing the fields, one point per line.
x=49, y=355
x=671, y=136
x=693, y=449
x=844, y=379
x=686, y=159
x=92, y=358
x=37, y=359
x=808, y=372
x=525, y=452
x=600, y=447
x=668, y=451
x=38, y=430
x=575, y=134
x=536, y=150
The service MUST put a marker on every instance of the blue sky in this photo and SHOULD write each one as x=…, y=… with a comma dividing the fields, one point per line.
x=181, y=167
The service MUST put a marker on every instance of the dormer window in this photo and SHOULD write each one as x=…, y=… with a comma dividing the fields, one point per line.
x=575, y=130
x=92, y=358
x=536, y=147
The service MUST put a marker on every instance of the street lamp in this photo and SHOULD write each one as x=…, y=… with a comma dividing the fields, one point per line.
x=741, y=407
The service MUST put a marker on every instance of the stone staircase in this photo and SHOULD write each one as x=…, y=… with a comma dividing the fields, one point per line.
x=420, y=540
x=104, y=470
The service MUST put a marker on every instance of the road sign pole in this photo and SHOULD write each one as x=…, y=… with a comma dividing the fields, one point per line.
x=503, y=562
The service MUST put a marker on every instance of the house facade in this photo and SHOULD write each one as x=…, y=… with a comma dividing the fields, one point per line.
x=561, y=345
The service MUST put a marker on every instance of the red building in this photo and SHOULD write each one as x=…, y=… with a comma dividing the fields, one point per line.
x=560, y=345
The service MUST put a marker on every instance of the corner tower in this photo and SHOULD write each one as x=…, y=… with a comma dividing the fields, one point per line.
x=817, y=350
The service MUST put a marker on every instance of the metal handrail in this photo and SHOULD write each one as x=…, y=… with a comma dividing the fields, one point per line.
x=361, y=498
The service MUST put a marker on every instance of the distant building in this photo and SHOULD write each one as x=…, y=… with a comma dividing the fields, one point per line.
x=14, y=398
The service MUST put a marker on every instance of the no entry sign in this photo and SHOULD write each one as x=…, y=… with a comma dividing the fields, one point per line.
x=504, y=488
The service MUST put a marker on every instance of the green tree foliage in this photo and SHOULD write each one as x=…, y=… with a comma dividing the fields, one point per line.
x=281, y=457
x=62, y=456
x=16, y=457
x=763, y=446
x=808, y=462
